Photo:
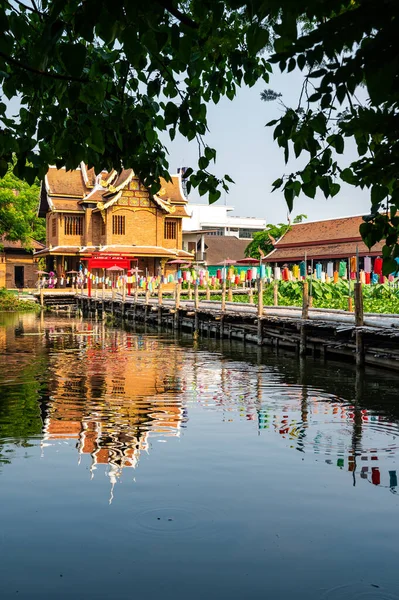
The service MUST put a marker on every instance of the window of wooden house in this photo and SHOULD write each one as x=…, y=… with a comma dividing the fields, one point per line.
x=118, y=225
x=170, y=230
x=54, y=226
x=73, y=225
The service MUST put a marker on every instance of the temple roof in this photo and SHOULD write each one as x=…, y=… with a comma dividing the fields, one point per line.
x=67, y=190
x=323, y=252
x=327, y=239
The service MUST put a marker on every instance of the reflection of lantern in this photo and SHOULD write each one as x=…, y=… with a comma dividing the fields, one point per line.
x=375, y=476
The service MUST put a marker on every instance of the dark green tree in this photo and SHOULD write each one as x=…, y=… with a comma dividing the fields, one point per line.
x=263, y=241
x=344, y=48
x=98, y=81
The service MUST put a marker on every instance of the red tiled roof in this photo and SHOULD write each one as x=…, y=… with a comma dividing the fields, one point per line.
x=220, y=248
x=18, y=245
x=330, y=230
x=322, y=251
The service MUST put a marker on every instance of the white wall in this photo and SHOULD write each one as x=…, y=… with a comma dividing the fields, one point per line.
x=204, y=215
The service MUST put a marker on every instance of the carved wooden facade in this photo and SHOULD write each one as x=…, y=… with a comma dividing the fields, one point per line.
x=112, y=214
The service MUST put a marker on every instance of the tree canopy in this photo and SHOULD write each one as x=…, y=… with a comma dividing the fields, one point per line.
x=18, y=210
x=263, y=241
x=99, y=81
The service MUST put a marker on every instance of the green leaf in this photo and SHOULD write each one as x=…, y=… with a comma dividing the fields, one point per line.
x=276, y=184
x=214, y=196
x=229, y=179
x=378, y=193
x=96, y=140
x=203, y=162
x=314, y=97
x=73, y=57
x=257, y=38
x=289, y=197
x=348, y=176
x=309, y=189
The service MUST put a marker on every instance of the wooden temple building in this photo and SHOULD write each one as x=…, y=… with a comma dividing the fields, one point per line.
x=322, y=241
x=96, y=221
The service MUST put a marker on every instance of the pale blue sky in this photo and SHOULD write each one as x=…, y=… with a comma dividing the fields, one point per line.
x=247, y=152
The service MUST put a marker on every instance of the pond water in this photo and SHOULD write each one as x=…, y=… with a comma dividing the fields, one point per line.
x=135, y=464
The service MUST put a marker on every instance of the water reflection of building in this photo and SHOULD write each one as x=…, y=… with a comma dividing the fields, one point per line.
x=115, y=394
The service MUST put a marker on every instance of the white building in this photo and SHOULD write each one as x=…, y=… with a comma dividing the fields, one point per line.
x=215, y=219
x=211, y=219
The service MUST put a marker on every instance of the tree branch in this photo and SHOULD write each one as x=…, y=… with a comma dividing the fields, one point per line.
x=16, y=63
x=168, y=6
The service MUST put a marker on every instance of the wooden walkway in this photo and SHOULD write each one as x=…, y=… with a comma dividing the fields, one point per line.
x=307, y=331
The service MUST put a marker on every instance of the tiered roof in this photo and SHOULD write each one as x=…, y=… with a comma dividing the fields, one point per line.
x=68, y=191
x=322, y=240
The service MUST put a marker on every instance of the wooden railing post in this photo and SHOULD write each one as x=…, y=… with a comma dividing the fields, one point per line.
x=359, y=318
x=190, y=291
x=196, y=296
x=224, y=296
x=359, y=322
x=260, y=297
x=251, y=296
x=177, y=296
x=305, y=300
x=208, y=292
x=160, y=294
x=230, y=293
x=275, y=293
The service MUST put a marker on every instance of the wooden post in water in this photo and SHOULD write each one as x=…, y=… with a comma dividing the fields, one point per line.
x=260, y=310
x=147, y=302
x=223, y=296
x=177, y=305
x=160, y=303
x=359, y=321
x=275, y=293
x=41, y=297
x=196, y=304
x=305, y=317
